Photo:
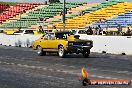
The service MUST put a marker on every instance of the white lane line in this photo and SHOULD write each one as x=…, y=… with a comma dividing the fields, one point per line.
x=38, y=67
x=8, y=63
x=120, y=72
x=63, y=71
x=56, y=64
x=27, y=66
x=44, y=68
x=114, y=78
x=19, y=65
x=58, y=70
x=33, y=67
x=97, y=76
x=4, y=62
x=55, y=77
x=92, y=75
x=72, y=66
x=65, y=65
x=12, y=63
x=125, y=72
x=108, y=77
x=51, y=69
x=100, y=76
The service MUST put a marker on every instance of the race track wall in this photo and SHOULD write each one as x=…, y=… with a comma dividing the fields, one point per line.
x=18, y=40
x=109, y=44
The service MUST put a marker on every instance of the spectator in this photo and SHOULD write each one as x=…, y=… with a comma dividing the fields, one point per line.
x=82, y=13
x=45, y=2
x=119, y=28
x=99, y=30
x=40, y=30
x=89, y=31
x=54, y=29
x=61, y=13
x=19, y=29
x=95, y=31
x=128, y=32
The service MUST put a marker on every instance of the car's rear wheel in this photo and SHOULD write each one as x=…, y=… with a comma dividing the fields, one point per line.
x=61, y=51
x=40, y=51
x=86, y=53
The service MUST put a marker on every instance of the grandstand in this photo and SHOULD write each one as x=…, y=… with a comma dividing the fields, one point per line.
x=28, y=15
x=77, y=17
x=16, y=10
x=124, y=20
x=46, y=12
x=3, y=7
x=97, y=14
x=70, y=14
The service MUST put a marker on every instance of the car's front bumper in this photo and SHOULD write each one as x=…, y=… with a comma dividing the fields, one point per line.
x=78, y=49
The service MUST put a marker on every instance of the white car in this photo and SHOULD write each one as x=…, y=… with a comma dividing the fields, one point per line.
x=22, y=32
x=79, y=32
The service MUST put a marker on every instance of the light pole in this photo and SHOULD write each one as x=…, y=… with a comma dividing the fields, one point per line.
x=64, y=11
x=19, y=19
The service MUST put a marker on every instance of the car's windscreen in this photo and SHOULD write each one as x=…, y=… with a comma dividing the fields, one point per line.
x=82, y=32
x=29, y=32
x=63, y=35
x=74, y=31
x=20, y=31
x=49, y=36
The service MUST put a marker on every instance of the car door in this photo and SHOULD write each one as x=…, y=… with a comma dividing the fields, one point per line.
x=52, y=43
x=43, y=41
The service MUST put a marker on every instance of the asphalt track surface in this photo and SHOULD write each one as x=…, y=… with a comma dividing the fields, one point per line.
x=22, y=68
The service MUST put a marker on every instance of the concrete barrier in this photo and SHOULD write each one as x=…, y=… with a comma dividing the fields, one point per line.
x=18, y=40
x=108, y=44
x=111, y=44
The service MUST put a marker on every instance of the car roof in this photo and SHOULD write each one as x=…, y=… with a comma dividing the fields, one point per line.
x=62, y=32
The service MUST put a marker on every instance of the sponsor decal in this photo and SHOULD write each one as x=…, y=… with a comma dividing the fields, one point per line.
x=86, y=81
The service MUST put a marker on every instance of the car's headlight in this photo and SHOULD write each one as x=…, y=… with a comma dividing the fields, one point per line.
x=88, y=43
x=70, y=43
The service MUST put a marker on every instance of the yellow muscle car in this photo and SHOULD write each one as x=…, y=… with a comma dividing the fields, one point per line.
x=63, y=42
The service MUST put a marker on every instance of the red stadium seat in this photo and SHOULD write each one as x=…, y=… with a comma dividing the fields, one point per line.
x=15, y=10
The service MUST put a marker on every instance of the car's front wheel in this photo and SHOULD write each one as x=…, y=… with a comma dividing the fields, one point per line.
x=40, y=51
x=86, y=53
x=61, y=51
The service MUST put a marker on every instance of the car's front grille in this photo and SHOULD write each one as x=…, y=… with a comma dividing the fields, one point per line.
x=79, y=43
x=88, y=43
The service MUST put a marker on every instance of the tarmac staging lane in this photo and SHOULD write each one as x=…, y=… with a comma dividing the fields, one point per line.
x=22, y=68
